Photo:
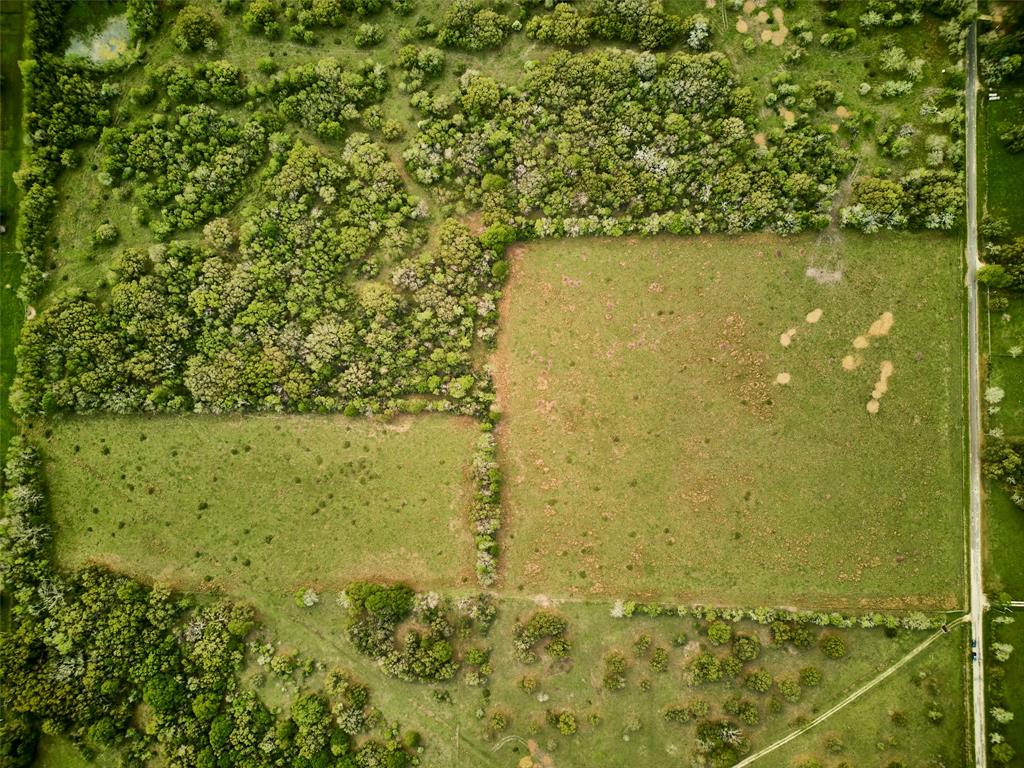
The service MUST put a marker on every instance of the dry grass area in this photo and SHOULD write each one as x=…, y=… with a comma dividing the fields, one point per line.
x=682, y=420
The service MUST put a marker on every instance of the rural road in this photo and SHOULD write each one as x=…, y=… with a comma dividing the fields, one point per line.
x=880, y=677
x=977, y=589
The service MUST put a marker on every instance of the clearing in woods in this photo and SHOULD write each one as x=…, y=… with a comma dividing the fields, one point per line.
x=676, y=409
x=264, y=504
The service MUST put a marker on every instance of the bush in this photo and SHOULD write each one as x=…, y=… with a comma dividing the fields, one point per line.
x=833, y=646
x=368, y=35
x=105, y=234
x=614, y=678
x=719, y=633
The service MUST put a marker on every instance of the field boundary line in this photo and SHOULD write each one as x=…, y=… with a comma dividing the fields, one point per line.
x=873, y=682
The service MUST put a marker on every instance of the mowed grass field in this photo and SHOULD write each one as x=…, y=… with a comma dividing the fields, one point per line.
x=1002, y=169
x=262, y=505
x=889, y=725
x=650, y=449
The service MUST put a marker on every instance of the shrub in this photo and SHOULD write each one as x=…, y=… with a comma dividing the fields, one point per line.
x=719, y=633
x=833, y=646
x=368, y=35
x=105, y=234
x=614, y=678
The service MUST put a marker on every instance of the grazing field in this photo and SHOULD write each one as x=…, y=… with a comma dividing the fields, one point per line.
x=263, y=505
x=622, y=727
x=890, y=725
x=694, y=418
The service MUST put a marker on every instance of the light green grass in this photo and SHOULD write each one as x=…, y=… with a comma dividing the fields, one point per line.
x=57, y=752
x=263, y=505
x=455, y=737
x=868, y=733
x=648, y=450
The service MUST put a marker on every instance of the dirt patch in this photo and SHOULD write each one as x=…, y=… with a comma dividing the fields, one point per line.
x=749, y=6
x=30, y=313
x=762, y=17
x=779, y=35
x=861, y=342
x=824, y=276
x=882, y=385
x=783, y=378
x=882, y=325
x=850, y=362
x=872, y=406
x=710, y=3
x=766, y=35
x=786, y=114
x=760, y=139
x=786, y=338
x=842, y=112
x=741, y=26
x=814, y=316
x=834, y=127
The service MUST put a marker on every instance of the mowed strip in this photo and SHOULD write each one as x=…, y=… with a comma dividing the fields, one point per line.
x=679, y=421
x=258, y=504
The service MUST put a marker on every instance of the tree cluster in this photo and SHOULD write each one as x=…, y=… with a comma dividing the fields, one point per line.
x=613, y=142
x=280, y=323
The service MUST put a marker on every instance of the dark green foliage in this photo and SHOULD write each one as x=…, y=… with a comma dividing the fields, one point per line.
x=600, y=182
x=426, y=652
x=833, y=646
x=540, y=626
x=194, y=28
x=565, y=26
x=189, y=328
x=325, y=96
x=684, y=713
x=923, y=199
x=705, y=667
x=473, y=26
x=746, y=647
x=719, y=633
x=614, y=677
x=1003, y=461
x=143, y=18
x=166, y=157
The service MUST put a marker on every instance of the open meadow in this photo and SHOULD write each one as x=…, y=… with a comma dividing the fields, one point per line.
x=261, y=506
x=676, y=412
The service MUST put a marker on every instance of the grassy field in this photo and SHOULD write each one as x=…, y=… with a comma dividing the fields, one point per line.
x=1002, y=336
x=650, y=449
x=889, y=724
x=1002, y=169
x=456, y=737
x=263, y=505
x=12, y=311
